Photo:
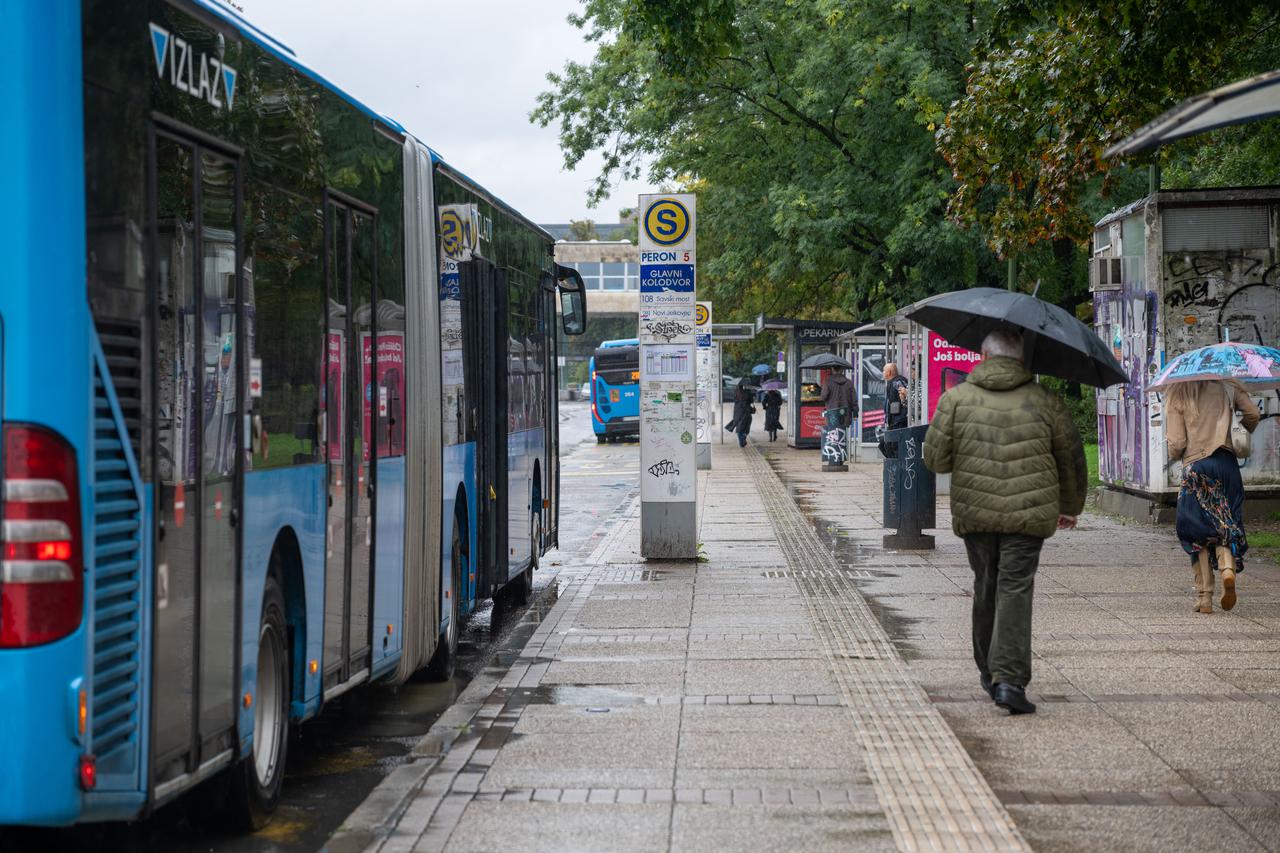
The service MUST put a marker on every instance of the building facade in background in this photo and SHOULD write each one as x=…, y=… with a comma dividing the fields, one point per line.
x=610, y=269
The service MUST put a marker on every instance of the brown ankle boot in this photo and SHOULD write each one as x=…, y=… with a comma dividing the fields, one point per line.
x=1204, y=583
x=1227, y=566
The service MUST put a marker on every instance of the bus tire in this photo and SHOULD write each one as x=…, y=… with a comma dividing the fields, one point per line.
x=601, y=438
x=258, y=778
x=445, y=659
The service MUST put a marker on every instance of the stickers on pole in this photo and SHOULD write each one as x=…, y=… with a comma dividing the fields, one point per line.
x=702, y=324
x=706, y=371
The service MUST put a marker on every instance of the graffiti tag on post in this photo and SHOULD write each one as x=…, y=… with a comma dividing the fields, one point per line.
x=664, y=468
x=668, y=330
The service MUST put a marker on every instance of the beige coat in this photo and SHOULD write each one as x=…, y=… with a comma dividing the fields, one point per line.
x=1199, y=424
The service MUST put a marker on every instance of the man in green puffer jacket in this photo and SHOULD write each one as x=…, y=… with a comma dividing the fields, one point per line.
x=1017, y=474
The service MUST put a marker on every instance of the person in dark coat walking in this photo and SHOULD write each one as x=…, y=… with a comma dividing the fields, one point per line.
x=772, y=406
x=838, y=393
x=742, y=411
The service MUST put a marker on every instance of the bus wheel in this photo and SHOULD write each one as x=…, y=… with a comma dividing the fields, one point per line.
x=601, y=439
x=256, y=783
x=442, y=662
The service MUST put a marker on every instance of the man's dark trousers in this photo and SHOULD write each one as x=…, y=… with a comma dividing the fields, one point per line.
x=1004, y=575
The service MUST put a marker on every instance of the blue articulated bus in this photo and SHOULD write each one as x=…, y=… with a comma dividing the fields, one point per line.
x=275, y=405
x=615, y=390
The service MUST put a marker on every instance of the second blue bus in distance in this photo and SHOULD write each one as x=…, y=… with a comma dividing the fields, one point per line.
x=615, y=390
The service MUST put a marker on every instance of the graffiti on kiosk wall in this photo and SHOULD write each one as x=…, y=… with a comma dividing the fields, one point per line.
x=1238, y=299
x=1211, y=293
x=1204, y=297
x=1126, y=319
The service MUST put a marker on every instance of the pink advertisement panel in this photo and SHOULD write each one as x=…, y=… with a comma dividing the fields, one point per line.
x=387, y=394
x=949, y=365
x=332, y=399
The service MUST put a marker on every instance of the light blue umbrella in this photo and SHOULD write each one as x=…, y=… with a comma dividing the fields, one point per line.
x=1252, y=365
x=761, y=369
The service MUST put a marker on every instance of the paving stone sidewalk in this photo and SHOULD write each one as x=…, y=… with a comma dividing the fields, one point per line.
x=751, y=701
x=1158, y=728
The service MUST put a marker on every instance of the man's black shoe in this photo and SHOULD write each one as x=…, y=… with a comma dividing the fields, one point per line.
x=985, y=681
x=1013, y=699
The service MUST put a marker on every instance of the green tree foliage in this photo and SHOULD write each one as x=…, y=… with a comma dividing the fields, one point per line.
x=806, y=128
x=1056, y=82
x=583, y=229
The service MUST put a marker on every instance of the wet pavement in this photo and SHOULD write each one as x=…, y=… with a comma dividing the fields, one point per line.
x=1157, y=727
x=335, y=760
x=746, y=700
x=802, y=687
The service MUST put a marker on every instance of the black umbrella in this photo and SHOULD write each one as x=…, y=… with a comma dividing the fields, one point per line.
x=824, y=360
x=1055, y=343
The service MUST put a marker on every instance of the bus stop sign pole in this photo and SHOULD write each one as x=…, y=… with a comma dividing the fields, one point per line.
x=668, y=364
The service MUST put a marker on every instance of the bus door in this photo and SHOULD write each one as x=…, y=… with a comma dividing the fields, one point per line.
x=198, y=408
x=350, y=426
x=548, y=328
x=485, y=367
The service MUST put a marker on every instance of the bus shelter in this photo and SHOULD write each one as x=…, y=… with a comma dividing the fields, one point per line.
x=804, y=387
x=929, y=362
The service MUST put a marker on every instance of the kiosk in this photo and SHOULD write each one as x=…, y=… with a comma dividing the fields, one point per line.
x=804, y=387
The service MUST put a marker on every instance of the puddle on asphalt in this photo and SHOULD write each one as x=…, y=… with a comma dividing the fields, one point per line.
x=596, y=698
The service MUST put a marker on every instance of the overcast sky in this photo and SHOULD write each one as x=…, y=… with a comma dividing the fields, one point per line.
x=462, y=76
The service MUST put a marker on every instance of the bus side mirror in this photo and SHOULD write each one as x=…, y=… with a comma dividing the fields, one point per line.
x=573, y=300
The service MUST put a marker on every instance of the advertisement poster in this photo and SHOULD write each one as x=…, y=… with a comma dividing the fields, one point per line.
x=387, y=394
x=332, y=400
x=949, y=365
x=871, y=362
x=811, y=421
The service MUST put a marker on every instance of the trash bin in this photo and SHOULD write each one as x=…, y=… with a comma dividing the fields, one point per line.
x=835, y=440
x=910, y=491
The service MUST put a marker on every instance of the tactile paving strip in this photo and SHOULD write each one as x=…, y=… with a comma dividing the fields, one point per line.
x=928, y=786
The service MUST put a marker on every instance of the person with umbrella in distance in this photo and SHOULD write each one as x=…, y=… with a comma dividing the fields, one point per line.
x=838, y=394
x=1203, y=392
x=742, y=412
x=1015, y=458
x=772, y=409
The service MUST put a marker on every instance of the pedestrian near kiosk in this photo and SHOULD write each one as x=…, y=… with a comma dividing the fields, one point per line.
x=772, y=409
x=1017, y=473
x=838, y=393
x=895, y=397
x=742, y=412
x=1210, y=520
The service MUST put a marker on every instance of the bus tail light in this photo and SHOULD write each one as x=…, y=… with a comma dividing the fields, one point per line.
x=41, y=566
x=88, y=772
